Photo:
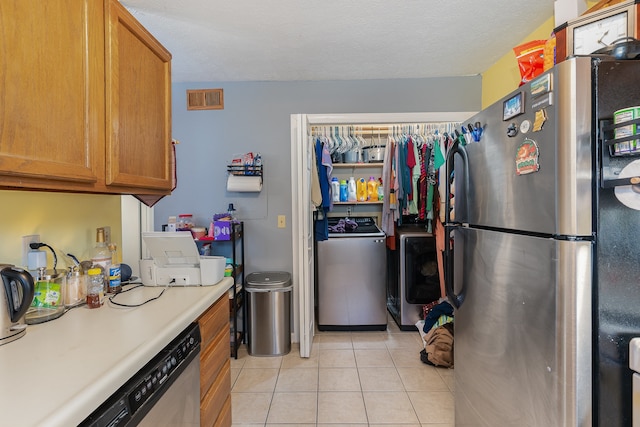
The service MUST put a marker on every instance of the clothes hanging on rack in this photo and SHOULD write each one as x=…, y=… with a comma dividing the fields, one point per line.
x=389, y=207
x=324, y=166
x=415, y=161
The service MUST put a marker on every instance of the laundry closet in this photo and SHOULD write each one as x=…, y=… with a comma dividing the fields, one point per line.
x=357, y=257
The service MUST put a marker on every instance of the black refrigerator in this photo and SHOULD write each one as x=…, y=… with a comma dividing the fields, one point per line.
x=543, y=268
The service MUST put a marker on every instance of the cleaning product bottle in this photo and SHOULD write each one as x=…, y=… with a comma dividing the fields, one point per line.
x=361, y=190
x=335, y=189
x=380, y=190
x=372, y=189
x=344, y=192
x=352, y=194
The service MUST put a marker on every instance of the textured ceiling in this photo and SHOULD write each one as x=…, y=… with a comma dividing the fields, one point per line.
x=281, y=40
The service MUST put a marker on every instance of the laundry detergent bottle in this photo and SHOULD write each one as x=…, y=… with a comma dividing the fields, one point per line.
x=352, y=194
x=335, y=189
x=344, y=193
x=372, y=189
x=361, y=190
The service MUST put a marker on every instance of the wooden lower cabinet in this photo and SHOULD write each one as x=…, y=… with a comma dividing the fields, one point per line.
x=224, y=419
x=215, y=366
x=212, y=402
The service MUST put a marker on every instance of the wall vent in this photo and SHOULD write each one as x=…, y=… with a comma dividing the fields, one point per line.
x=205, y=99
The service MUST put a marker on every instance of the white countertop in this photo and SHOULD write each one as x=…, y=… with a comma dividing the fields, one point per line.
x=62, y=370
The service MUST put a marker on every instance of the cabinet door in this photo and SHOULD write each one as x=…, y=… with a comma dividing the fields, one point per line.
x=51, y=92
x=138, y=94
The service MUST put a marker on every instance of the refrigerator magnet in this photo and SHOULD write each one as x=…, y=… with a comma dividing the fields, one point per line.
x=541, y=117
x=541, y=85
x=513, y=106
x=525, y=126
x=527, y=157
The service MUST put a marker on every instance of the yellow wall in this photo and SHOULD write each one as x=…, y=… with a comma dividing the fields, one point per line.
x=66, y=222
x=504, y=76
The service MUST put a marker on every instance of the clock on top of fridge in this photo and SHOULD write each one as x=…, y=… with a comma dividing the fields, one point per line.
x=601, y=28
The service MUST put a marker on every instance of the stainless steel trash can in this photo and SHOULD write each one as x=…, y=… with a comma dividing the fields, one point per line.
x=269, y=313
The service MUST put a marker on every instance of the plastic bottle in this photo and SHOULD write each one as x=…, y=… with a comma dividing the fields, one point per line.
x=361, y=189
x=372, y=189
x=101, y=257
x=115, y=283
x=380, y=190
x=352, y=194
x=335, y=189
x=231, y=212
x=344, y=193
x=95, y=288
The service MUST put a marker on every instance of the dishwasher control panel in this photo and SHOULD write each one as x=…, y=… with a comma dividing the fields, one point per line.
x=134, y=399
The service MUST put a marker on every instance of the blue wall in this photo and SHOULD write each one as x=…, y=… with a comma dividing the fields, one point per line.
x=256, y=118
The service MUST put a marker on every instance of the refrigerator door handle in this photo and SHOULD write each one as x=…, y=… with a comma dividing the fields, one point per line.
x=449, y=226
x=456, y=148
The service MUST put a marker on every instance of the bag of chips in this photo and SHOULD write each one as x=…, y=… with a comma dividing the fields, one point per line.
x=530, y=58
x=549, y=59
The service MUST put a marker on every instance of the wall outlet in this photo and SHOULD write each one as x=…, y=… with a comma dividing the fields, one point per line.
x=282, y=221
x=32, y=238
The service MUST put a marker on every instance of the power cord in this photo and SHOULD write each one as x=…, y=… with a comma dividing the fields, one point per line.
x=39, y=245
x=138, y=285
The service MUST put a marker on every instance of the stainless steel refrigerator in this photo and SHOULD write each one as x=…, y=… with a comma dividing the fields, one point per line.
x=544, y=262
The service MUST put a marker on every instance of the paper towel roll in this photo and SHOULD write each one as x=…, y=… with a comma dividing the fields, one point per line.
x=244, y=184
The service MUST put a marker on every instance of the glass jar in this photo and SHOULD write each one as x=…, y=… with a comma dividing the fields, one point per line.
x=76, y=289
x=95, y=288
x=49, y=297
x=185, y=222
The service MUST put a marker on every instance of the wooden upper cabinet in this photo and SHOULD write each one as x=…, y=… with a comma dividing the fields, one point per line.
x=138, y=94
x=51, y=91
x=85, y=99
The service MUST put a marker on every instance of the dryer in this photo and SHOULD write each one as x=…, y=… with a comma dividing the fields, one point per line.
x=413, y=279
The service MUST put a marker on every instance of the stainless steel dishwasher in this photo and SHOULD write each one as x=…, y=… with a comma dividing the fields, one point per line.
x=351, y=278
x=165, y=392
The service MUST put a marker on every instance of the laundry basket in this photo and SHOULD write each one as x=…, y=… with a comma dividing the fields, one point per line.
x=269, y=313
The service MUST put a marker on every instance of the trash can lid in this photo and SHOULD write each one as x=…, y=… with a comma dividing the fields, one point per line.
x=268, y=279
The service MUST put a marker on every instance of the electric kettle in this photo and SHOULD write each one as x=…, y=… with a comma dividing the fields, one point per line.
x=14, y=302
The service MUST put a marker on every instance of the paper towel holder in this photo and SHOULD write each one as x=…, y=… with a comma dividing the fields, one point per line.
x=238, y=174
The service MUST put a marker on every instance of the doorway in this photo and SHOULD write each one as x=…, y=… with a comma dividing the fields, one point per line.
x=302, y=208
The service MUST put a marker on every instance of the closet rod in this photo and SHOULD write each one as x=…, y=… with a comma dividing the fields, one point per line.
x=382, y=129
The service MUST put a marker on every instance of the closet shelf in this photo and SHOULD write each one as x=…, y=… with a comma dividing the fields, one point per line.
x=377, y=202
x=358, y=165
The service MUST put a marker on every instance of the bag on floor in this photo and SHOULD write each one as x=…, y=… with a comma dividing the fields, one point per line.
x=438, y=349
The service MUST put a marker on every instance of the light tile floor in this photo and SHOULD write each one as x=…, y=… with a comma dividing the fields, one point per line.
x=351, y=379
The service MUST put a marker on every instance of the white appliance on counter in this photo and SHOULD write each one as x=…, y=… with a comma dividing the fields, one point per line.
x=175, y=261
